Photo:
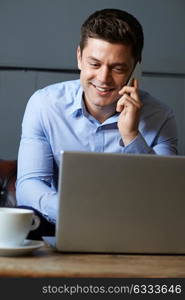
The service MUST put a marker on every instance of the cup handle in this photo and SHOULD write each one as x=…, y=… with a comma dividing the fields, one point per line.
x=36, y=222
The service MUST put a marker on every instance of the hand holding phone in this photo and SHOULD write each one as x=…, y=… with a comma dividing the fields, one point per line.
x=129, y=106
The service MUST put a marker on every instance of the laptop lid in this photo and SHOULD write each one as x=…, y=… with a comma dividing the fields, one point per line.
x=121, y=203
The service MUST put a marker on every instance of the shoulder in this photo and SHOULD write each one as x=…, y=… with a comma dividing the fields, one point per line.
x=153, y=106
x=62, y=92
x=46, y=104
x=54, y=99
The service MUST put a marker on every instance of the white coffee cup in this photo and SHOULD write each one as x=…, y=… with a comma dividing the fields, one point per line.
x=15, y=224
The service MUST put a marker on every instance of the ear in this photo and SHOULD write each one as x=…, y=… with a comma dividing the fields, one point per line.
x=79, y=57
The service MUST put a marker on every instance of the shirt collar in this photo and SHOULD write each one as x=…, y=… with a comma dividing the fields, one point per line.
x=77, y=106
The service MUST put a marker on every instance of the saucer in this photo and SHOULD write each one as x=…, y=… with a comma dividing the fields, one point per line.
x=28, y=247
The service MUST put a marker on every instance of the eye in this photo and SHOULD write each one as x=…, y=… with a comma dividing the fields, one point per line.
x=94, y=65
x=119, y=70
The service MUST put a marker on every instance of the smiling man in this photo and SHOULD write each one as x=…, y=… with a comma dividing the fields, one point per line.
x=100, y=112
x=105, y=69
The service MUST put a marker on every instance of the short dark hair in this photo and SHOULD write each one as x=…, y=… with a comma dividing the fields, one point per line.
x=114, y=26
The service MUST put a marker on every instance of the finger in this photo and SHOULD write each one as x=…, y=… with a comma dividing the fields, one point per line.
x=133, y=97
x=136, y=83
x=132, y=82
x=126, y=100
x=129, y=98
x=128, y=89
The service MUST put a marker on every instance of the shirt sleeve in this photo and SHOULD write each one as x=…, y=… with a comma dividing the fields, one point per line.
x=34, y=186
x=161, y=140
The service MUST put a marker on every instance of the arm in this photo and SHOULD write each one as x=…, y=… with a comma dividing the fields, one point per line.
x=35, y=163
x=159, y=135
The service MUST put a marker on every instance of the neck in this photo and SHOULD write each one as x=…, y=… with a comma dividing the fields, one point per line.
x=100, y=113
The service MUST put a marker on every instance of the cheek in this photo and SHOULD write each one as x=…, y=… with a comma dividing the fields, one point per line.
x=87, y=74
x=121, y=81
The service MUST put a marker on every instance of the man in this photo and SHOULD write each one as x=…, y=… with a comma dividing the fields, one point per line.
x=98, y=113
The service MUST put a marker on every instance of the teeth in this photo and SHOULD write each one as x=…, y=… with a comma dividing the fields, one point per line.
x=102, y=89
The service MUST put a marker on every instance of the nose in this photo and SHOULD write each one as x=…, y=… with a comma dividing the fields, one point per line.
x=104, y=75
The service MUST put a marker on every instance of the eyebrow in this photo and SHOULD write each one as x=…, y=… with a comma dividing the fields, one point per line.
x=116, y=64
x=93, y=58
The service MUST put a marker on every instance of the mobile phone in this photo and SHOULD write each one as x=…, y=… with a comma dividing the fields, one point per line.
x=135, y=74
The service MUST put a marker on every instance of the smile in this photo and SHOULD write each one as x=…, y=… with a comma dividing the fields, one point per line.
x=102, y=89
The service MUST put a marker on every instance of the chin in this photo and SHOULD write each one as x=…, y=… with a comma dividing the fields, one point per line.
x=104, y=102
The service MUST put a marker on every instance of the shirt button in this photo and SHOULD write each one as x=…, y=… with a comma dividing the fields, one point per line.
x=99, y=129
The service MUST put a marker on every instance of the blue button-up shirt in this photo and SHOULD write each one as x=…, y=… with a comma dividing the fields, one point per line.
x=56, y=119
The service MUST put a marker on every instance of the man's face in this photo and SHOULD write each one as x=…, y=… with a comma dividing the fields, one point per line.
x=105, y=69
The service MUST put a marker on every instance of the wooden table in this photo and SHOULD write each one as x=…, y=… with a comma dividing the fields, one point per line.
x=45, y=262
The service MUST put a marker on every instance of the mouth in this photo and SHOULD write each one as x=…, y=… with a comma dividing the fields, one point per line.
x=104, y=91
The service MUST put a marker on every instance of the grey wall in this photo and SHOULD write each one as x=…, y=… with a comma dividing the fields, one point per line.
x=44, y=34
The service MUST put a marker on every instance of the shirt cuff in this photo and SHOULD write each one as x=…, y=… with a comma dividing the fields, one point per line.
x=48, y=207
x=138, y=145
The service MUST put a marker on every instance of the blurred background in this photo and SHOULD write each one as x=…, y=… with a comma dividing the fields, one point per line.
x=38, y=41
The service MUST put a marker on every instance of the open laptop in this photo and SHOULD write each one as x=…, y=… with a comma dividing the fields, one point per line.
x=121, y=203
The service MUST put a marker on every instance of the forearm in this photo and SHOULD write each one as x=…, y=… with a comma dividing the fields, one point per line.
x=137, y=146
x=157, y=135
x=35, y=185
x=35, y=193
x=36, y=190
x=140, y=146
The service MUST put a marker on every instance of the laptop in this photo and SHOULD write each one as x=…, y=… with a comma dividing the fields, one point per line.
x=120, y=203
